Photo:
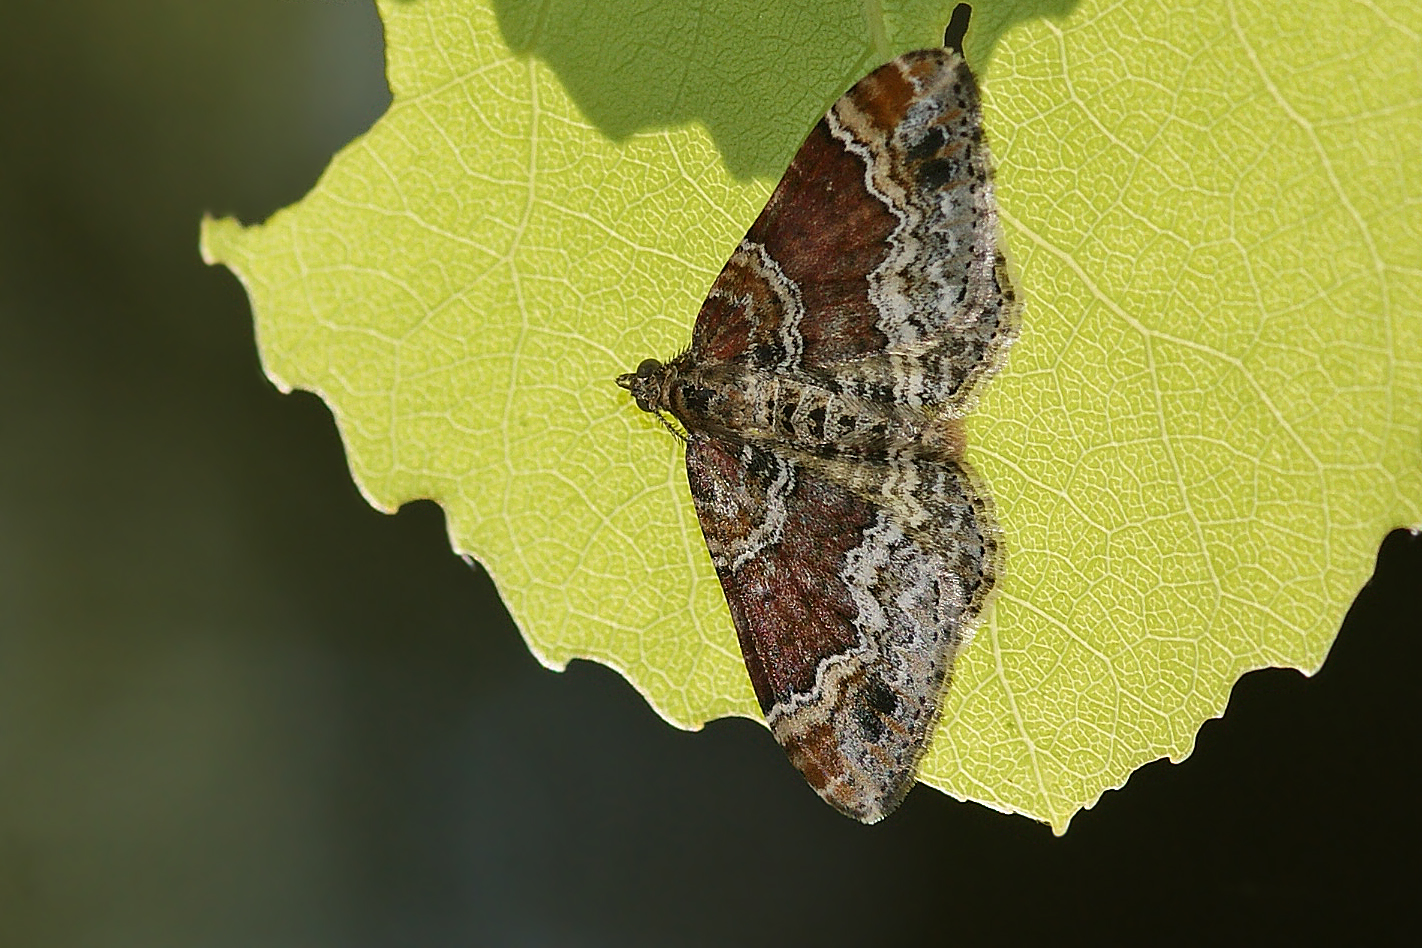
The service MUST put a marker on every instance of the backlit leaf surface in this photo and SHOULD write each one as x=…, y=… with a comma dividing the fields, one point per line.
x=1213, y=415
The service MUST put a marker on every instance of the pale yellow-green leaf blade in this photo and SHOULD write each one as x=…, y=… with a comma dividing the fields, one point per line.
x=1215, y=410
x=1211, y=419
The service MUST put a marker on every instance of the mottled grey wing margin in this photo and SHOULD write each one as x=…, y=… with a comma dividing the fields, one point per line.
x=945, y=296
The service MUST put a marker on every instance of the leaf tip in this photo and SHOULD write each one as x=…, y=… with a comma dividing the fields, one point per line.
x=217, y=237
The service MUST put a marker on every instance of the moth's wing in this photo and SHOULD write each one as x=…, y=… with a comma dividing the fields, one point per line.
x=852, y=588
x=878, y=263
x=752, y=315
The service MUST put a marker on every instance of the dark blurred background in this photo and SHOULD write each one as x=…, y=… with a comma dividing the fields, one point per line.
x=239, y=707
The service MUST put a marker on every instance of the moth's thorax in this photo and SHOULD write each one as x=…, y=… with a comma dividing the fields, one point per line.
x=745, y=403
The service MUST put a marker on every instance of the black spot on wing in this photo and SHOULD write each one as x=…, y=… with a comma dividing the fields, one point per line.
x=767, y=355
x=869, y=722
x=762, y=467
x=786, y=415
x=938, y=173
x=880, y=696
x=696, y=398
x=929, y=145
x=817, y=422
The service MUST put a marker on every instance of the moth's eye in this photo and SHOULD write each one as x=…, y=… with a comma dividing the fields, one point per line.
x=643, y=404
x=647, y=367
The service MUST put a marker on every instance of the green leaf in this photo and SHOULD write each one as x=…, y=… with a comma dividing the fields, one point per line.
x=1210, y=421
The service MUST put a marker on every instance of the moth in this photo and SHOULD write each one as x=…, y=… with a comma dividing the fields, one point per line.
x=822, y=400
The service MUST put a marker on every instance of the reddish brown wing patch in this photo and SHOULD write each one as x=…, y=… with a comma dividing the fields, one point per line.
x=828, y=239
x=774, y=536
x=745, y=315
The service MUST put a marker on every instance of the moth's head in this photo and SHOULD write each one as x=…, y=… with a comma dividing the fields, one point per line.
x=648, y=384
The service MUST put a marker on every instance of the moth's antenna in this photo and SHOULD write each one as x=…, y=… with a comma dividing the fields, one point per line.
x=957, y=28
x=680, y=435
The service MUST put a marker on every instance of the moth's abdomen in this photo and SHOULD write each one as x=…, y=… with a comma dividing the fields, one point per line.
x=748, y=405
